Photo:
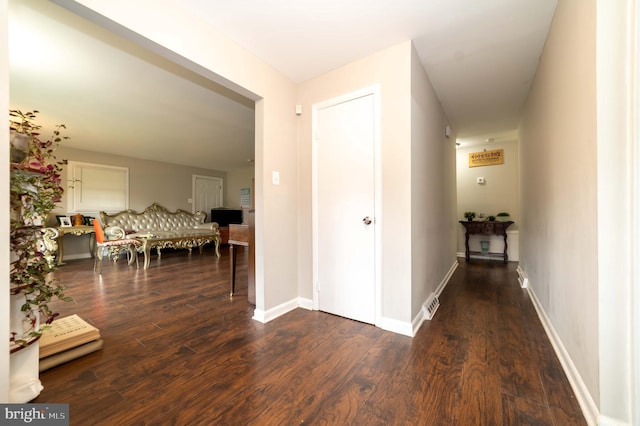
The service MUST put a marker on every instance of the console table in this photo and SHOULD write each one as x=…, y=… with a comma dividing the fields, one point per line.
x=76, y=231
x=486, y=228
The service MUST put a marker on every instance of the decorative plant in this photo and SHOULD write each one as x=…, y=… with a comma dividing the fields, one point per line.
x=469, y=215
x=503, y=214
x=35, y=188
x=490, y=218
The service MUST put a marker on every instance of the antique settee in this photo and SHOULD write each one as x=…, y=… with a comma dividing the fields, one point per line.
x=159, y=228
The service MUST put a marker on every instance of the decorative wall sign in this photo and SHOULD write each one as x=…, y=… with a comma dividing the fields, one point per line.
x=486, y=158
x=245, y=197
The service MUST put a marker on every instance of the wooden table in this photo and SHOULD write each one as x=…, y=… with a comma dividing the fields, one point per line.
x=486, y=228
x=243, y=235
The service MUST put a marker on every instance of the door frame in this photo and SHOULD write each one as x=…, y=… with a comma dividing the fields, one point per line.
x=374, y=91
x=193, y=189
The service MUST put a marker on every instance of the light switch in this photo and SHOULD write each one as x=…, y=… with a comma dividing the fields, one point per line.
x=275, y=177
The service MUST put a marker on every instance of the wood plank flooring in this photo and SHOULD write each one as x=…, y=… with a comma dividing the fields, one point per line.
x=177, y=350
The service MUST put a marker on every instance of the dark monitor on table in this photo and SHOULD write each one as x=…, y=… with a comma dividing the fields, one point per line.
x=224, y=216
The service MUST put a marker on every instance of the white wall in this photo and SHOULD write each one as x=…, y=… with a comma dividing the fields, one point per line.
x=616, y=259
x=558, y=152
x=433, y=190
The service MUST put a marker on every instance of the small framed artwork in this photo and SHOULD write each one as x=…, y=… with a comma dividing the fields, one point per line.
x=65, y=221
x=88, y=220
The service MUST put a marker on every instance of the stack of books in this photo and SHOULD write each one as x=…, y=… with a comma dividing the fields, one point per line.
x=67, y=338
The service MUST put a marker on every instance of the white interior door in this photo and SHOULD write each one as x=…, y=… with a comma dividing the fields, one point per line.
x=344, y=207
x=207, y=194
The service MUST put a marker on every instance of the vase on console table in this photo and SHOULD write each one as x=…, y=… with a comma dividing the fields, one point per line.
x=78, y=220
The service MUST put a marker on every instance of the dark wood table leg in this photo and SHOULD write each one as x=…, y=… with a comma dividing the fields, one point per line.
x=506, y=256
x=232, y=259
x=466, y=246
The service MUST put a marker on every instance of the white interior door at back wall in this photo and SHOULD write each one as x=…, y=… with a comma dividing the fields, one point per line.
x=207, y=194
x=344, y=208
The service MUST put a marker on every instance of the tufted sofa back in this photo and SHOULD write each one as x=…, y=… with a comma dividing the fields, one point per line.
x=154, y=218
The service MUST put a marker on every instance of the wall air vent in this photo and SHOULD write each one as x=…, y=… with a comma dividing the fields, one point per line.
x=431, y=306
x=522, y=280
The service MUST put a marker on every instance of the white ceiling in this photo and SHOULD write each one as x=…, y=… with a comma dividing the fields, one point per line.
x=481, y=56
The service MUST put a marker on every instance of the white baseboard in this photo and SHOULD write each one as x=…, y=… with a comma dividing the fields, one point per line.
x=286, y=307
x=396, y=326
x=389, y=324
x=446, y=278
x=305, y=303
x=608, y=421
x=587, y=404
x=76, y=256
x=496, y=245
x=275, y=312
x=484, y=257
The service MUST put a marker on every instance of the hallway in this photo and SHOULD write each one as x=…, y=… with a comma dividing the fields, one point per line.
x=509, y=373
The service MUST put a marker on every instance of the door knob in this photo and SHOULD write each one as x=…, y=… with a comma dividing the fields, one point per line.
x=367, y=220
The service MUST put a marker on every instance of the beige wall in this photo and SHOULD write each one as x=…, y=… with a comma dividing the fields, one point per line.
x=236, y=180
x=416, y=253
x=390, y=69
x=433, y=190
x=558, y=239
x=169, y=185
x=500, y=193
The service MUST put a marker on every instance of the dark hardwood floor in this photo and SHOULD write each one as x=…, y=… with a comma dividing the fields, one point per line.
x=177, y=351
